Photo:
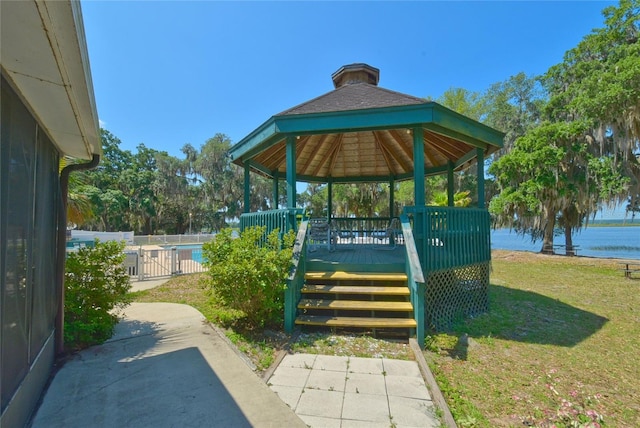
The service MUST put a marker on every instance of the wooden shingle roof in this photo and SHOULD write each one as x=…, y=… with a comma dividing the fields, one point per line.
x=355, y=96
x=362, y=132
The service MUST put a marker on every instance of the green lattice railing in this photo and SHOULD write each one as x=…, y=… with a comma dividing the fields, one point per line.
x=454, y=248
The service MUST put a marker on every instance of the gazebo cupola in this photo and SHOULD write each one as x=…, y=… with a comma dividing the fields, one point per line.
x=355, y=73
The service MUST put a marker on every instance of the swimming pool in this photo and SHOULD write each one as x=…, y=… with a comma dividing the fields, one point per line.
x=188, y=251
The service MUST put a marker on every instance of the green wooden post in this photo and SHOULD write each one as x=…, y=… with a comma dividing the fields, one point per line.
x=247, y=187
x=392, y=184
x=276, y=194
x=419, y=313
x=392, y=201
x=450, y=193
x=329, y=199
x=291, y=174
x=418, y=189
x=480, y=157
x=291, y=171
x=418, y=166
x=290, y=303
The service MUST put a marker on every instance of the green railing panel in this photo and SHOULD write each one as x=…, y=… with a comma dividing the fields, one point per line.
x=450, y=237
x=415, y=279
x=295, y=281
x=454, y=249
x=361, y=225
x=283, y=219
x=366, y=230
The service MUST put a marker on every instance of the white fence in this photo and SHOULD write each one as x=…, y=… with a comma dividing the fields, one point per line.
x=172, y=239
x=89, y=235
x=144, y=264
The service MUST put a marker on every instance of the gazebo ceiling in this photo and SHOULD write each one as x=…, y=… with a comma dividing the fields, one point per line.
x=361, y=132
x=361, y=154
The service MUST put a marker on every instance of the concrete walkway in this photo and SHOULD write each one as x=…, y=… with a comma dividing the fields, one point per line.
x=345, y=392
x=148, y=284
x=164, y=367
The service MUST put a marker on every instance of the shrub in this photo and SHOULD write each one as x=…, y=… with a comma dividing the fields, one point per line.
x=96, y=282
x=249, y=273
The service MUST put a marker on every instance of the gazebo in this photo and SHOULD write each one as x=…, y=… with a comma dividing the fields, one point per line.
x=360, y=132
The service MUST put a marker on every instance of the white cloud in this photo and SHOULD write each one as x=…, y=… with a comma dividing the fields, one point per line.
x=102, y=123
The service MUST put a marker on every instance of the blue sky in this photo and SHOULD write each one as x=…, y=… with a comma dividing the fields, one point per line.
x=175, y=72
x=167, y=73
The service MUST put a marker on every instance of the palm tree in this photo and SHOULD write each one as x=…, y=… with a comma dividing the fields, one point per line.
x=460, y=199
x=79, y=207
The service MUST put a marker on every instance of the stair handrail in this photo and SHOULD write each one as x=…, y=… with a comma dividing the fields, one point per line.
x=415, y=278
x=295, y=281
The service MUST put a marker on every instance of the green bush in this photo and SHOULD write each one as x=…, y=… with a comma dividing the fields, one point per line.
x=96, y=282
x=249, y=273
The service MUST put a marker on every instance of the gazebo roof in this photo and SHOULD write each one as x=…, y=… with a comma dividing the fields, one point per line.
x=362, y=132
x=354, y=96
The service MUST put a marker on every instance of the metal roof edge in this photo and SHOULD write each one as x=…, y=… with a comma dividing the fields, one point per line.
x=93, y=121
x=404, y=116
x=489, y=135
x=52, y=76
x=255, y=138
x=353, y=120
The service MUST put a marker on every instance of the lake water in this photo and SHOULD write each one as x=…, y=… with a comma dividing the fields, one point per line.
x=606, y=242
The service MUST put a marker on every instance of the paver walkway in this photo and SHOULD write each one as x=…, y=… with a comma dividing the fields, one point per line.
x=343, y=392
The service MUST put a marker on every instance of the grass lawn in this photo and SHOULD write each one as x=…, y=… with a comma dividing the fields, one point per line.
x=560, y=344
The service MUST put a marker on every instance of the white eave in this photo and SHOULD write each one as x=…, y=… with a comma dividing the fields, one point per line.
x=44, y=55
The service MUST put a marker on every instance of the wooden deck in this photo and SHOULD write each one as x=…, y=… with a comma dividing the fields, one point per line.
x=358, y=255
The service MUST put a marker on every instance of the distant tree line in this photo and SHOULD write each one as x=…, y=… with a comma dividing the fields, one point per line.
x=580, y=149
x=572, y=143
x=152, y=192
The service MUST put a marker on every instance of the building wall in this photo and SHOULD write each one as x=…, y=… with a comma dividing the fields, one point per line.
x=29, y=207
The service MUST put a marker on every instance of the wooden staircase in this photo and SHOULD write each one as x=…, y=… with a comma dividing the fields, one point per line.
x=361, y=300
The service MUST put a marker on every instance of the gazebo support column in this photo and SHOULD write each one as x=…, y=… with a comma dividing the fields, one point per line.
x=329, y=199
x=480, y=158
x=392, y=201
x=291, y=175
x=450, y=192
x=418, y=186
x=247, y=187
x=418, y=166
x=276, y=192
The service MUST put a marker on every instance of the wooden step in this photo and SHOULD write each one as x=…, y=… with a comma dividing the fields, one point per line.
x=356, y=289
x=356, y=322
x=358, y=305
x=355, y=276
